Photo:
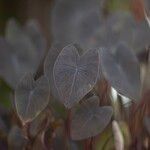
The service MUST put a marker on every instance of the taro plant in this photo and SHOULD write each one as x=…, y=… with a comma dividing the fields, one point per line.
x=71, y=100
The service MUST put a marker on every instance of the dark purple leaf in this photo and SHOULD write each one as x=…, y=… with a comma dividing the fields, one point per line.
x=75, y=75
x=31, y=97
x=121, y=68
x=89, y=119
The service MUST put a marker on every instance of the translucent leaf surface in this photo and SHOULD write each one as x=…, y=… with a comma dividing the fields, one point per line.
x=121, y=68
x=82, y=22
x=49, y=64
x=89, y=119
x=75, y=75
x=31, y=97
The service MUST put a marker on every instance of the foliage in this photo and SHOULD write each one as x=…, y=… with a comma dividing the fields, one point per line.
x=70, y=104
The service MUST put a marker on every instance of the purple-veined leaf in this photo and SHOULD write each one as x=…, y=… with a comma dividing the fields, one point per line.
x=31, y=97
x=121, y=68
x=122, y=26
x=19, y=39
x=75, y=75
x=89, y=119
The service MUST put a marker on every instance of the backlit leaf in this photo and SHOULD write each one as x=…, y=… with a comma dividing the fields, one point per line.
x=31, y=97
x=75, y=75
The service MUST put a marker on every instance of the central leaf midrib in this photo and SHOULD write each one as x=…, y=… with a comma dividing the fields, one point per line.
x=29, y=101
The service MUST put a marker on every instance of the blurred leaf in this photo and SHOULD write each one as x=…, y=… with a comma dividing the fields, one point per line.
x=75, y=75
x=20, y=52
x=89, y=119
x=121, y=68
x=31, y=97
x=16, y=139
x=76, y=21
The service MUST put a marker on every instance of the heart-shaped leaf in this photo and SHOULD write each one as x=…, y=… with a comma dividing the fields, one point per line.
x=31, y=97
x=121, y=68
x=75, y=75
x=89, y=119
